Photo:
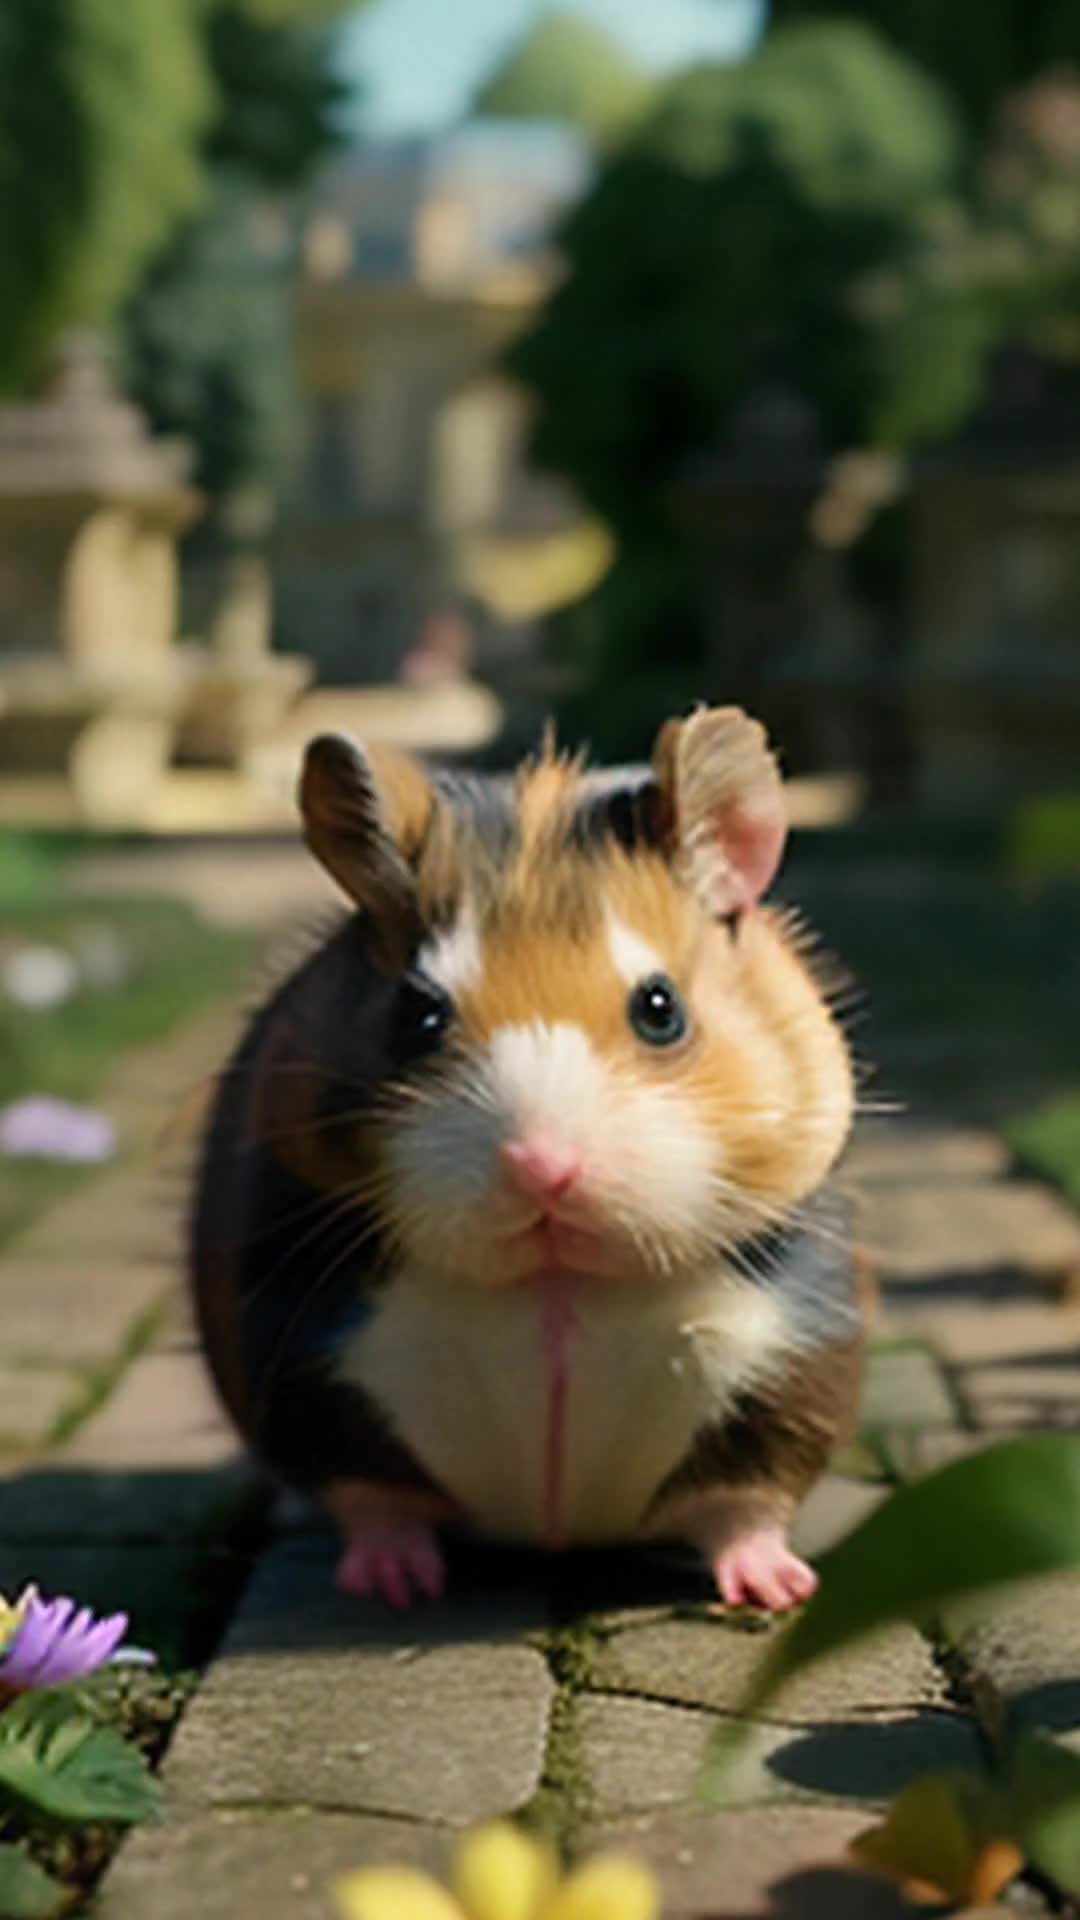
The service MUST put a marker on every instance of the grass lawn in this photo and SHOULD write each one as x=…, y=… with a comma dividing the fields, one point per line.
x=174, y=963
x=1048, y=1139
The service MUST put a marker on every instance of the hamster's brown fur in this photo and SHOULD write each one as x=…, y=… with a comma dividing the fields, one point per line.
x=699, y=1239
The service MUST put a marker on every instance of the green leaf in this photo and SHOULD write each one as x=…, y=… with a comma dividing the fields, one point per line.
x=57, y=1761
x=564, y=68
x=1006, y=1514
x=26, y=1892
x=1043, y=1786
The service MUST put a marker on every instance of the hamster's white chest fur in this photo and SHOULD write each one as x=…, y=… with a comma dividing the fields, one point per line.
x=464, y=1378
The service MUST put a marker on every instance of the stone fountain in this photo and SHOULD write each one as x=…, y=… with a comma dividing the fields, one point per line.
x=91, y=507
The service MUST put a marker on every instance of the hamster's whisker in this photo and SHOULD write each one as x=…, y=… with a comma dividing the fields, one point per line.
x=280, y=1352
x=402, y=1095
x=741, y=1204
x=661, y=1248
x=770, y=1215
x=278, y=1221
x=323, y=1124
x=407, y=1093
x=340, y=1205
x=475, y=1087
x=755, y=1266
x=819, y=1230
x=322, y=1070
x=653, y=1249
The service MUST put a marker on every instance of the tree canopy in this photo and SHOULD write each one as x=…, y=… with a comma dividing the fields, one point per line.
x=564, y=68
x=763, y=224
x=979, y=49
x=111, y=120
x=205, y=334
x=206, y=347
x=101, y=112
x=721, y=245
x=276, y=87
x=827, y=215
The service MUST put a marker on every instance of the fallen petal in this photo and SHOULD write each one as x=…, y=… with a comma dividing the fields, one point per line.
x=39, y=1127
x=40, y=977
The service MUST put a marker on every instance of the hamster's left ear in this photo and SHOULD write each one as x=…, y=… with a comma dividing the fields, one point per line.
x=365, y=814
x=722, y=804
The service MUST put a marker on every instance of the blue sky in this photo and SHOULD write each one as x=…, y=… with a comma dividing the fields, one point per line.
x=419, y=60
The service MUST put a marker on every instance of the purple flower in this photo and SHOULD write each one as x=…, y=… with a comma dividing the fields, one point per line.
x=52, y=1642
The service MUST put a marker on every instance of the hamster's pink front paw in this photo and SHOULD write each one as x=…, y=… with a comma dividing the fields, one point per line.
x=759, y=1570
x=392, y=1560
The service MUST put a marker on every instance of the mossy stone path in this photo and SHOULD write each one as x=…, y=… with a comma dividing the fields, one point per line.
x=327, y=1733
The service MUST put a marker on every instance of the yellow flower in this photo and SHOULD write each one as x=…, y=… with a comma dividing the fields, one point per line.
x=499, y=1873
x=11, y=1615
x=941, y=1843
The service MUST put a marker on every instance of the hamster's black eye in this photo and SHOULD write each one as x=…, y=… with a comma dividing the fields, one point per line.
x=656, y=1012
x=422, y=1013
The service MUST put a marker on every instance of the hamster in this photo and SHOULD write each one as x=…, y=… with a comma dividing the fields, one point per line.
x=514, y=1209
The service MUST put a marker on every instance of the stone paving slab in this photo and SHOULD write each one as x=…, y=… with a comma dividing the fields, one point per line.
x=755, y=1863
x=898, y=1151
x=164, y=1411
x=951, y=1232
x=710, y=1664
x=155, y=1097
x=154, y=1462
x=637, y=1755
x=451, y=1734
x=320, y=1699
x=832, y=1509
x=904, y=1386
x=67, y=1307
x=32, y=1399
x=1007, y=1399
x=1018, y=1332
x=1021, y=1650
x=120, y=1215
x=177, y=1059
x=238, y=1864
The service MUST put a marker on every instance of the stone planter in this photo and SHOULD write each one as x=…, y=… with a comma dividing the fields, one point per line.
x=233, y=705
x=110, y=740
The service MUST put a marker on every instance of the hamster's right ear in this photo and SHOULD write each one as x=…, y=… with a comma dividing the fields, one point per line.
x=365, y=815
x=722, y=804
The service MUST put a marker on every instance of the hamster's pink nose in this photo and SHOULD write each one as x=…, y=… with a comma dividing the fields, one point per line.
x=538, y=1169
